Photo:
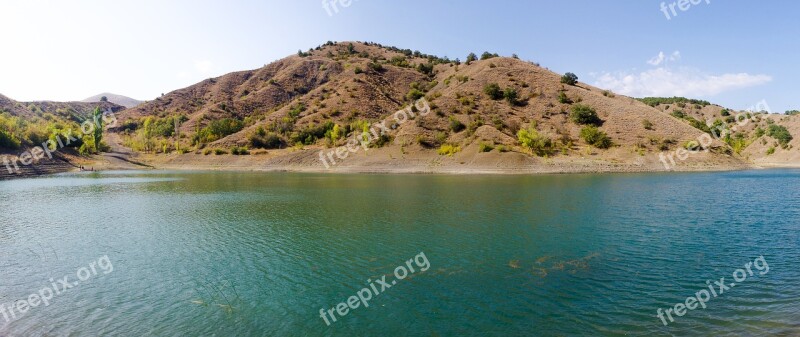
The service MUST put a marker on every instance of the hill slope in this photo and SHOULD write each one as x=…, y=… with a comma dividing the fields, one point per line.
x=763, y=138
x=24, y=126
x=317, y=100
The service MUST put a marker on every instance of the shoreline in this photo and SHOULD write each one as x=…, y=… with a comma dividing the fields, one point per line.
x=464, y=171
x=384, y=162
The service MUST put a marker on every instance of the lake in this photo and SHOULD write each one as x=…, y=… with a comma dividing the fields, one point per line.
x=274, y=254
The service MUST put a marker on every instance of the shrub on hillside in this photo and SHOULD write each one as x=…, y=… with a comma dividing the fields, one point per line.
x=375, y=66
x=585, y=115
x=485, y=147
x=8, y=141
x=414, y=94
x=595, y=137
x=511, y=96
x=448, y=150
x=780, y=133
x=239, y=151
x=218, y=129
x=563, y=98
x=399, y=61
x=261, y=139
x=698, y=124
x=426, y=69
x=655, y=101
x=493, y=91
x=311, y=133
x=678, y=114
x=456, y=125
x=538, y=144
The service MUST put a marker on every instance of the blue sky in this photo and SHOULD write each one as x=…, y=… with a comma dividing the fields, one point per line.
x=735, y=52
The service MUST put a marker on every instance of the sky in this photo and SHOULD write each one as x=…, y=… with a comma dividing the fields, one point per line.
x=736, y=53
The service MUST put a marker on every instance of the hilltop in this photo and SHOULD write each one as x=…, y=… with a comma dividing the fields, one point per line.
x=284, y=113
x=114, y=98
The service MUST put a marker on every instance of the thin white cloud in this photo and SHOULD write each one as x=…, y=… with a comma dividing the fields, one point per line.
x=663, y=58
x=681, y=81
x=656, y=60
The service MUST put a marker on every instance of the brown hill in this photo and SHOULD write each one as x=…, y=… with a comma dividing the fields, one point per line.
x=292, y=104
x=69, y=110
x=750, y=130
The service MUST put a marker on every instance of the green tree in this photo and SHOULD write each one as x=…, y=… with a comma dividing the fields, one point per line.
x=98, y=129
x=334, y=134
x=487, y=55
x=569, y=78
x=471, y=57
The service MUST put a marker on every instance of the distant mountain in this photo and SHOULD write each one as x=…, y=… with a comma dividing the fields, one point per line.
x=114, y=98
x=74, y=111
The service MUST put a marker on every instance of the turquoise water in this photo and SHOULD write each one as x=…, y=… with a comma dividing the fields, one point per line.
x=255, y=254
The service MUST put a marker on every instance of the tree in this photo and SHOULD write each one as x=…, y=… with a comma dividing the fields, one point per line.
x=471, y=57
x=569, y=78
x=98, y=128
x=104, y=99
x=487, y=55
x=334, y=134
x=426, y=69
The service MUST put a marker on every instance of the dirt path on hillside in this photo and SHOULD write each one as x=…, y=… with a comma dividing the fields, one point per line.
x=120, y=157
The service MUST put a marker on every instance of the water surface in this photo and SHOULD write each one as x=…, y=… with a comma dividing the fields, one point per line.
x=259, y=254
